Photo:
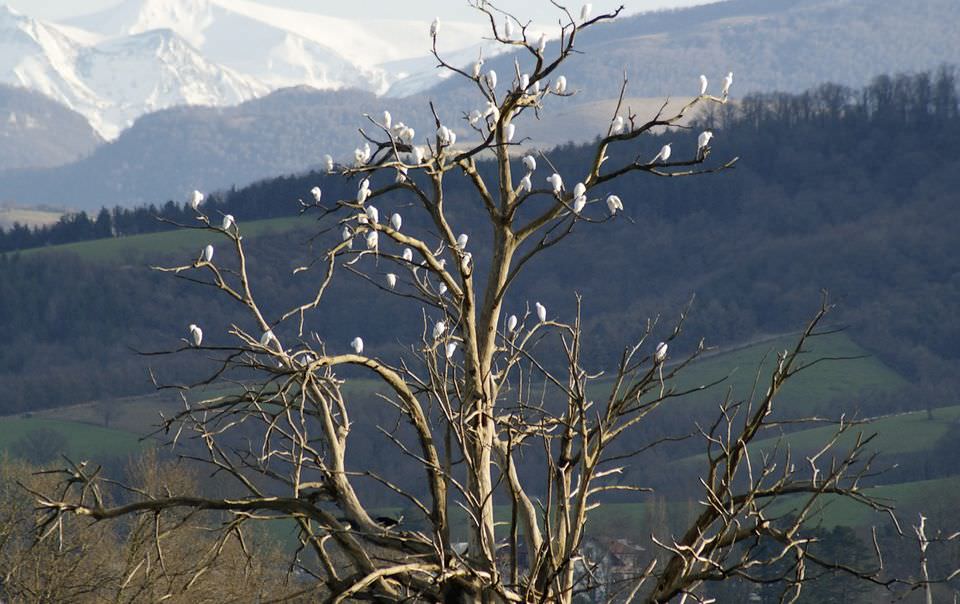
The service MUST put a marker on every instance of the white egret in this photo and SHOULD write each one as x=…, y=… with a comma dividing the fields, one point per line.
x=492, y=112
x=618, y=124
x=401, y=174
x=196, y=334
x=524, y=81
x=579, y=203
x=443, y=263
x=542, y=43
x=462, y=239
x=391, y=280
x=442, y=289
x=525, y=184
x=541, y=312
x=614, y=204
x=407, y=134
x=373, y=214
x=509, y=132
x=661, y=354
x=475, y=117
x=664, y=154
x=530, y=163
x=365, y=184
x=727, y=83
x=208, y=253
x=372, y=239
x=317, y=194
x=585, y=11
x=446, y=136
x=267, y=337
x=408, y=254
x=387, y=120
x=536, y=87
x=560, y=86
x=357, y=345
x=228, y=222
x=346, y=234
x=438, y=329
x=512, y=323
x=579, y=190
x=196, y=198
x=362, y=195
x=476, y=68
x=362, y=219
x=507, y=28
x=703, y=84
x=556, y=182
x=435, y=27
x=328, y=163
x=358, y=157
x=492, y=79
x=450, y=349
x=465, y=261
x=396, y=221
x=703, y=141
x=418, y=155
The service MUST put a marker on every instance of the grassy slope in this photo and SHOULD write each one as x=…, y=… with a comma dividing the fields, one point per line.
x=82, y=440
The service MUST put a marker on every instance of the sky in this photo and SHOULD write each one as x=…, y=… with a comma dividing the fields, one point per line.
x=388, y=9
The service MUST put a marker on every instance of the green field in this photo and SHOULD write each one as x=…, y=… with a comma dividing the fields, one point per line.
x=123, y=248
x=80, y=441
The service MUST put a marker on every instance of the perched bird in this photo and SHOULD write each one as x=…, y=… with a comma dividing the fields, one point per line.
x=475, y=117
x=417, y=155
x=408, y=254
x=512, y=323
x=328, y=163
x=556, y=182
x=664, y=154
x=391, y=280
x=438, y=329
x=435, y=27
x=560, y=86
x=407, y=134
x=401, y=174
x=317, y=193
x=542, y=43
x=373, y=214
x=617, y=127
x=396, y=222
x=363, y=193
x=661, y=354
x=346, y=234
x=541, y=312
x=228, y=222
x=442, y=289
x=530, y=163
x=357, y=345
x=492, y=79
x=450, y=349
x=465, y=261
x=372, y=240
x=476, y=68
x=208, y=253
x=195, y=199
x=509, y=132
x=445, y=135
x=507, y=28
x=387, y=120
x=267, y=337
x=462, y=241
x=196, y=334
x=703, y=84
x=579, y=203
x=585, y=11
x=524, y=81
x=579, y=190
x=703, y=141
x=614, y=204
x=727, y=83
x=525, y=184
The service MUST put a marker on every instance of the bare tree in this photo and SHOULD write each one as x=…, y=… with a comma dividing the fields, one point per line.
x=476, y=396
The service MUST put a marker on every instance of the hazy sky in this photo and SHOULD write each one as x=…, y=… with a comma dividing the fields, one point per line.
x=392, y=9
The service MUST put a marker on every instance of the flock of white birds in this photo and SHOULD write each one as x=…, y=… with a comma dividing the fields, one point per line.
x=447, y=137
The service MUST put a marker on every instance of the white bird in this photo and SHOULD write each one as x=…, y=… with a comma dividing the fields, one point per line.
x=317, y=193
x=442, y=289
x=362, y=156
x=208, y=253
x=475, y=117
x=661, y=354
x=579, y=190
x=524, y=81
x=536, y=87
x=556, y=182
x=228, y=222
x=435, y=27
x=396, y=222
x=328, y=163
x=560, y=86
x=266, y=337
x=476, y=68
x=465, y=261
x=727, y=83
x=401, y=174
x=507, y=28
x=492, y=79
x=462, y=241
x=445, y=135
x=408, y=254
x=451, y=348
x=391, y=280
x=407, y=134
x=579, y=203
x=525, y=184
x=664, y=154
x=614, y=204
x=618, y=125
x=372, y=239
x=346, y=234
x=530, y=163
x=438, y=329
x=362, y=195
x=542, y=43
x=373, y=214
x=365, y=184
x=357, y=345
x=418, y=155
x=585, y=11
x=703, y=84
x=512, y=323
x=196, y=334
x=541, y=312
x=509, y=132
x=195, y=199
x=703, y=141
x=387, y=120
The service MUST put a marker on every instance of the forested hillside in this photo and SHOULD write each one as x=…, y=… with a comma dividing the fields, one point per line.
x=849, y=191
